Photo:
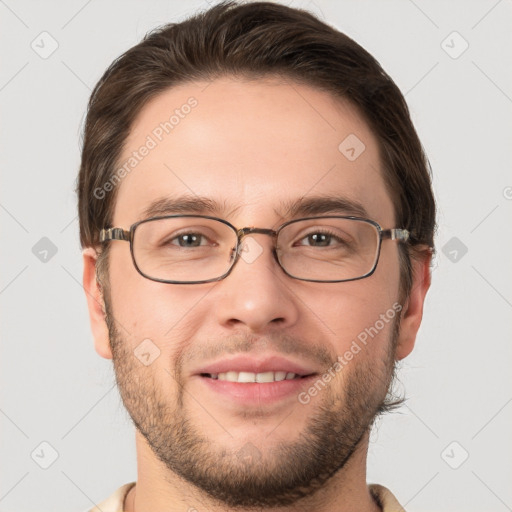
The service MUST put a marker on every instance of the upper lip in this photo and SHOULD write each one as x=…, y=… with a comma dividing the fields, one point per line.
x=261, y=364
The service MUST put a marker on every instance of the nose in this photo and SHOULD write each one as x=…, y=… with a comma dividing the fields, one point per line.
x=257, y=293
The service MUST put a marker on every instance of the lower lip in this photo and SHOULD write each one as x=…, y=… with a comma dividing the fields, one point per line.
x=258, y=393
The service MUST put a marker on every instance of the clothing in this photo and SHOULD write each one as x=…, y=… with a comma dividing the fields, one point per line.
x=114, y=503
x=384, y=497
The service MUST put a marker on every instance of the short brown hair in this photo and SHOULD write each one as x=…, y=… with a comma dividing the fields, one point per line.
x=257, y=39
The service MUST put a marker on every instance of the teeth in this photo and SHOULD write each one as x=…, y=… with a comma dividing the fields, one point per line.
x=231, y=376
x=280, y=376
x=254, y=377
x=242, y=376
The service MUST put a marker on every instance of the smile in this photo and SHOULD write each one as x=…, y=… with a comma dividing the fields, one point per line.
x=250, y=377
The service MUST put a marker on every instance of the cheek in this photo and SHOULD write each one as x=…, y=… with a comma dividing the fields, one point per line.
x=147, y=309
x=361, y=312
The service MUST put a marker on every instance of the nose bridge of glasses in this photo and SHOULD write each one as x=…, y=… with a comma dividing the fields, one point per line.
x=244, y=232
x=263, y=231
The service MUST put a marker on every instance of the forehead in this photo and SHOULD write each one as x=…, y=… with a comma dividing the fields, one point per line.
x=254, y=148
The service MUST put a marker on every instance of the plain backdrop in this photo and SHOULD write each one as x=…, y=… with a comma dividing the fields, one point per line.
x=449, y=447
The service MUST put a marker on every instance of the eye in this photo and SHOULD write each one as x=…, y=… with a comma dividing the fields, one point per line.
x=187, y=240
x=321, y=239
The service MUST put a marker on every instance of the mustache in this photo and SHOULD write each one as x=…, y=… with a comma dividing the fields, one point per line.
x=247, y=343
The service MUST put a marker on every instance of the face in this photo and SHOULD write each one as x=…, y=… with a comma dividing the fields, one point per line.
x=254, y=148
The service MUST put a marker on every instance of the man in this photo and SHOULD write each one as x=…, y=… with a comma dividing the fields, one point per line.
x=257, y=221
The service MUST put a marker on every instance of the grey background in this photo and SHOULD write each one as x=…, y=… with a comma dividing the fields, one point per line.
x=56, y=389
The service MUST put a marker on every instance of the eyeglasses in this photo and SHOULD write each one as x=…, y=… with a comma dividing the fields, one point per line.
x=194, y=249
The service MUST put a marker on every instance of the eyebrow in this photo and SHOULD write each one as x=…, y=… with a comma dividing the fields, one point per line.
x=302, y=207
x=319, y=205
x=187, y=204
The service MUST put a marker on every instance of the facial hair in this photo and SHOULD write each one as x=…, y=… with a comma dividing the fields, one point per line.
x=245, y=477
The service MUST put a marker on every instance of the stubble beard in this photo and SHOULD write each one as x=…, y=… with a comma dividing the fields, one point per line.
x=243, y=476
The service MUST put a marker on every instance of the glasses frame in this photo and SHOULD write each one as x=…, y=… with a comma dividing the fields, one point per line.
x=109, y=234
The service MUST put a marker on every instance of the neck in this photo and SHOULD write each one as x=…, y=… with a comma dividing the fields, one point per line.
x=158, y=489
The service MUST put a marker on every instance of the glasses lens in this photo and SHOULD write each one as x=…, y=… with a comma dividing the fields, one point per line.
x=183, y=249
x=328, y=249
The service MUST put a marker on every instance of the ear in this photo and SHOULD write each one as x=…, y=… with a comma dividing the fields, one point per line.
x=412, y=312
x=96, y=304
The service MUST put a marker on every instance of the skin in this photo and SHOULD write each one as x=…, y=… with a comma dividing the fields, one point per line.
x=252, y=144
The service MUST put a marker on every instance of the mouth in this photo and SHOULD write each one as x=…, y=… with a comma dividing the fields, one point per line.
x=245, y=380
x=251, y=377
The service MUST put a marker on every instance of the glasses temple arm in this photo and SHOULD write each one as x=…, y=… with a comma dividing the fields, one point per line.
x=395, y=234
x=114, y=234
